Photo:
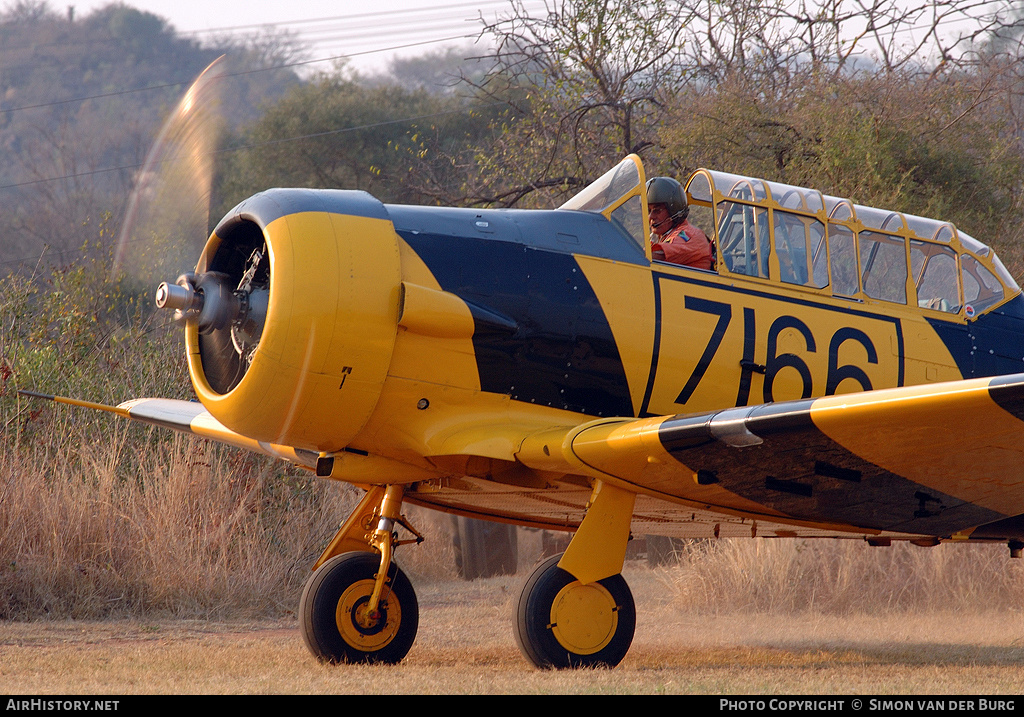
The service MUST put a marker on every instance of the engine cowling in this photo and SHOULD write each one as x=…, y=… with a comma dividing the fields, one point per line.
x=318, y=276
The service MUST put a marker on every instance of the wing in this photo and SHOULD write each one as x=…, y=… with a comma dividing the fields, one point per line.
x=941, y=460
x=187, y=417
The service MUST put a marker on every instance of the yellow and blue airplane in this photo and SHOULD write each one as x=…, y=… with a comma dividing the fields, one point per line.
x=842, y=371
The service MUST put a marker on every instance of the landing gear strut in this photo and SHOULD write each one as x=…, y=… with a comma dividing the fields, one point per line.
x=358, y=606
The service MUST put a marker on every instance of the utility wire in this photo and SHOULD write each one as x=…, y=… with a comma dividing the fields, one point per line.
x=477, y=4
x=286, y=66
x=216, y=32
x=350, y=33
x=254, y=145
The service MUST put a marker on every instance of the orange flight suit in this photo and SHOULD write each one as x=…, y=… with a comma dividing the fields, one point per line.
x=685, y=244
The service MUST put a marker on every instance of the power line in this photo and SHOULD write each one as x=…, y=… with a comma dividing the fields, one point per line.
x=286, y=66
x=255, y=145
x=349, y=34
x=267, y=26
x=478, y=4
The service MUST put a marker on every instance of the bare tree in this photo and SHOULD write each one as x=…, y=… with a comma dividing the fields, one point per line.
x=586, y=80
x=590, y=80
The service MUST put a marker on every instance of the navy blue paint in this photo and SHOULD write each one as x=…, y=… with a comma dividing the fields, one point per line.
x=559, y=231
x=837, y=374
x=747, y=364
x=273, y=204
x=552, y=344
x=655, y=352
x=724, y=314
x=998, y=340
x=990, y=345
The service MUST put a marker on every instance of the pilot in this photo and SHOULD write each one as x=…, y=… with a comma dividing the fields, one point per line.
x=673, y=238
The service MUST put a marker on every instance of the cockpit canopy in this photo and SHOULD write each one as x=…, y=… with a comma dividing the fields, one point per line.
x=830, y=243
x=619, y=195
x=800, y=237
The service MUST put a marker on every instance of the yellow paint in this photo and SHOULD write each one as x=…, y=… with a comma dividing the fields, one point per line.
x=598, y=548
x=435, y=313
x=584, y=618
x=362, y=469
x=355, y=532
x=359, y=626
x=952, y=437
x=454, y=421
x=328, y=338
x=627, y=299
x=445, y=361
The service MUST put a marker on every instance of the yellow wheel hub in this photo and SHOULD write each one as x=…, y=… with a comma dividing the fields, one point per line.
x=361, y=629
x=584, y=618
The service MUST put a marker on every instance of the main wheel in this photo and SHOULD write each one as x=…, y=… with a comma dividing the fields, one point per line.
x=562, y=623
x=336, y=625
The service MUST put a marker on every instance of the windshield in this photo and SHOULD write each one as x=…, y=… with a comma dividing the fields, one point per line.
x=608, y=188
x=617, y=194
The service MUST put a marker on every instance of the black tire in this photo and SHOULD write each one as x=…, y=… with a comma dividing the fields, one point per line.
x=333, y=628
x=484, y=549
x=597, y=620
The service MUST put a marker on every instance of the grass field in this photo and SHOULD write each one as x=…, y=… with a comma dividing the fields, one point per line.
x=465, y=646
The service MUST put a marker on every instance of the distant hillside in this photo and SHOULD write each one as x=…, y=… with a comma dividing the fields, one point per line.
x=80, y=101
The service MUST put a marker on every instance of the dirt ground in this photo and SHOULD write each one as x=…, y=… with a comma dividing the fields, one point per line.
x=465, y=646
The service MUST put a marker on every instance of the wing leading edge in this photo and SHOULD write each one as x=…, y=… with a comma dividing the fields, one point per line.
x=186, y=417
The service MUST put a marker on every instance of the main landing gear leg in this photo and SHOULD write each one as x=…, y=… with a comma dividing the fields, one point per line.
x=576, y=609
x=358, y=606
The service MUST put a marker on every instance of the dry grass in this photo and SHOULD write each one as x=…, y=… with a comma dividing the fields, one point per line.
x=183, y=528
x=190, y=529
x=177, y=567
x=845, y=577
x=465, y=646
x=197, y=531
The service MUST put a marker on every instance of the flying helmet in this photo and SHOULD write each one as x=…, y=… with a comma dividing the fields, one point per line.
x=667, y=191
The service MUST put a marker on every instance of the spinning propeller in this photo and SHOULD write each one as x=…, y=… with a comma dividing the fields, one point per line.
x=165, y=228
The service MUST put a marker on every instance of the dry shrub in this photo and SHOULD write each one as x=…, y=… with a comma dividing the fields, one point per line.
x=200, y=530
x=844, y=577
x=175, y=525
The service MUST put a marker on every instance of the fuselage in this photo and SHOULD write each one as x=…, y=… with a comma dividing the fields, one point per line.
x=571, y=314
x=433, y=346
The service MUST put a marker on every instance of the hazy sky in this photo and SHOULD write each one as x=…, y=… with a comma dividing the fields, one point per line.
x=367, y=30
